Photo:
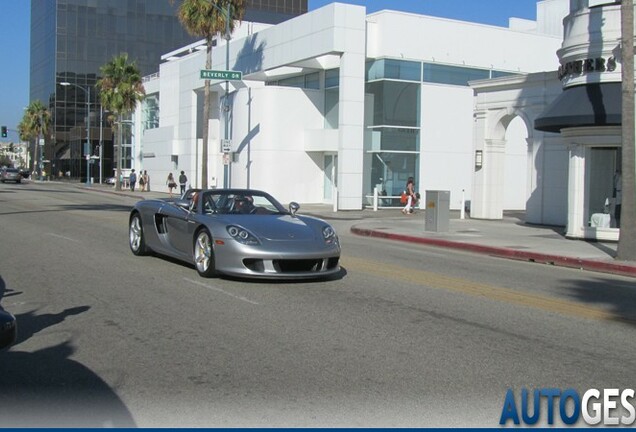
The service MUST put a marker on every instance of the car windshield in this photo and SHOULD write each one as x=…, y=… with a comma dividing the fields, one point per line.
x=13, y=170
x=240, y=202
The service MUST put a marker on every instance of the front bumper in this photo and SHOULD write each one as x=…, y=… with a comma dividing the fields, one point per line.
x=277, y=260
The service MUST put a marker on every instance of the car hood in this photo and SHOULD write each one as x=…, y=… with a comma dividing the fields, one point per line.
x=278, y=227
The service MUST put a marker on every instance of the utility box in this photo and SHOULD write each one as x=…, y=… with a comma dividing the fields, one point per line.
x=437, y=210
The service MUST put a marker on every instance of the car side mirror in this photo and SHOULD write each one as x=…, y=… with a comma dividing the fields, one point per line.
x=182, y=203
x=293, y=207
x=8, y=329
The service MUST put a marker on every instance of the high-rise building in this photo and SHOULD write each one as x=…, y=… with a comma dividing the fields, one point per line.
x=72, y=39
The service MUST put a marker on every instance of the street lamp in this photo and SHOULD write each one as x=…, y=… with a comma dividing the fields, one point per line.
x=226, y=103
x=87, y=149
x=101, y=141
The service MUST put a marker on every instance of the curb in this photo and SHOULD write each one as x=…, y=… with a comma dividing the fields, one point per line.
x=536, y=257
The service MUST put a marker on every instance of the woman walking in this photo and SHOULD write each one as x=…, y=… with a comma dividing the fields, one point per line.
x=171, y=183
x=144, y=182
x=410, y=196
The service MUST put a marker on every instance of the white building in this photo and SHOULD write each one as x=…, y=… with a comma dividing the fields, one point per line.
x=17, y=153
x=339, y=100
x=573, y=119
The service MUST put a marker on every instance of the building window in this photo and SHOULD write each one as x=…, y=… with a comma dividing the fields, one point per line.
x=390, y=171
x=312, y=81
x=332, y=108
x=151, y=111
x=395, y=103
x=332, y=78
x=394, y=69
x=394, y=139
x=127, y=141
x=455, y=75
x=307, y=81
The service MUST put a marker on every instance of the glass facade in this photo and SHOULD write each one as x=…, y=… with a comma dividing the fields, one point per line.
x=72, y=39
x=332, y=98
x=306, y=81
x=274, y=11
x=393, y=140
x=150, y=111
x=393, y=90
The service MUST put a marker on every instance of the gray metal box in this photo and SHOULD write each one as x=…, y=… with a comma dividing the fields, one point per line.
x=437, y=210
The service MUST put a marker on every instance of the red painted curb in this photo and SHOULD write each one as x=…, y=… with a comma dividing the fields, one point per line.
x=556, y=260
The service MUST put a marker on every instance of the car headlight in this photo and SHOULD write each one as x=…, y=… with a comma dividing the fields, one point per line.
x=329, y=234
x=242, y=235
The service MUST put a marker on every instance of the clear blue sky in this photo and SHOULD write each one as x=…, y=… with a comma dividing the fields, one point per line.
x=15, y=37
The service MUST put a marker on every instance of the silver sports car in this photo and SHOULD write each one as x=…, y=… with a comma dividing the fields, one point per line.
x=240, y=232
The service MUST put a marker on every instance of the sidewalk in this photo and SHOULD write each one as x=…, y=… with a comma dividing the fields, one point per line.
x=507, y=238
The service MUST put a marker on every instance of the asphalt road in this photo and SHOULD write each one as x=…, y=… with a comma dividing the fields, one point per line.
x=407, y=336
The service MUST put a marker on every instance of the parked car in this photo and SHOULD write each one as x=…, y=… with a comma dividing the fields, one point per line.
x=11, y=175
x=239, y=232
x=110, y=180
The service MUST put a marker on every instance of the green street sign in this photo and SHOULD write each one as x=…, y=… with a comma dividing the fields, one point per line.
x=221, y=75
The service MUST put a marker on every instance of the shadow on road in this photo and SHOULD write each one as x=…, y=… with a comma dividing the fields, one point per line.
x=617, y=297
x=76, y=207
x=46, y=388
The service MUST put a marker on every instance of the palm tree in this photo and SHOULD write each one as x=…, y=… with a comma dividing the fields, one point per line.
x=627, y=239
x=35, y=124
x=120, y=91
x=207, y=18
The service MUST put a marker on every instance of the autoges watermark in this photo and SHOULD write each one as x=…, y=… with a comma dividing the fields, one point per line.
x=553, y=406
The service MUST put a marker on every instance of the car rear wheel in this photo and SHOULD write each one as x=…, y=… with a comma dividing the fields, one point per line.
x=136, y=236
x=203, y=254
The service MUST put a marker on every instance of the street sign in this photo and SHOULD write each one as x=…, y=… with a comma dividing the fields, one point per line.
x=226, y=158
x=226, y=145
x=221, y=75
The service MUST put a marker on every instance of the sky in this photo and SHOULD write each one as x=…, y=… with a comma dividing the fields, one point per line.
x=15, y=37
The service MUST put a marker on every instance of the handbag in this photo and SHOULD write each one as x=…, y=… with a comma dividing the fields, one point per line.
x=404, y=198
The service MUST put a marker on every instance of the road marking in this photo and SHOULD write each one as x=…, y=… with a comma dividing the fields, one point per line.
x=63, y=237
x=492, y=292
x=213, y=288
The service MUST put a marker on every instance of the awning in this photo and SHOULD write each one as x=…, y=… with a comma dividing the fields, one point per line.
x=66, y=154
x=584, y=105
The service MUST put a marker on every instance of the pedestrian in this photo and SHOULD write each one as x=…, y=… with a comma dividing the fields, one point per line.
x=411, y=199
x=146, y=181
x=183, y=180
x=142, y=182
x=171, y=183
x=132, y=179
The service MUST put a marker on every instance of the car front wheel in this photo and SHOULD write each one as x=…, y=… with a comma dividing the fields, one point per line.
x=136, y=236
x=203, y=254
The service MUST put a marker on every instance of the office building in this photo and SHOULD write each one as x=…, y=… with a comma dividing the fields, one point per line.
x=72, y=39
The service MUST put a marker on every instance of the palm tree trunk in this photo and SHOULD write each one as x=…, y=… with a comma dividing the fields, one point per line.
x=627, y=240
x=35, y=158
x=206, y=118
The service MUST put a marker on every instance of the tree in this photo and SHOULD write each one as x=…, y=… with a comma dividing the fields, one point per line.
x=206, y=18
x=627, y=239
x=120, y=90
x=5, y=161
x=35, y=124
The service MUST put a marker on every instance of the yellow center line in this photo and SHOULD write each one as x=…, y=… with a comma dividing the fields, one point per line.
x=491, y=292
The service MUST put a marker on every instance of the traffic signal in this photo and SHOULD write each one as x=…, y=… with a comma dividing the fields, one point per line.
x=4, y=131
